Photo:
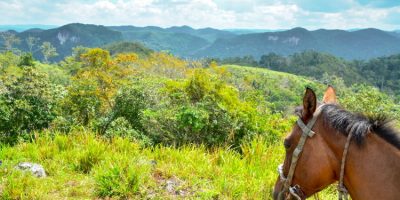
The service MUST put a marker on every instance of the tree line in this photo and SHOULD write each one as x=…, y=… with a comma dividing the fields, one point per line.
x=382, y=72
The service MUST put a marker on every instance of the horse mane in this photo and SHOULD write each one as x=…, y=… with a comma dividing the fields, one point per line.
x=360, y=125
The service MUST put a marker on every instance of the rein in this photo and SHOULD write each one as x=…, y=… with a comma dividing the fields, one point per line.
x=307, y=132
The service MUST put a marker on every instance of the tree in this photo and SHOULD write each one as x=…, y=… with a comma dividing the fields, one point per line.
x=26, y=60
x=94, y=86
x=272, y=61
x=31, y=42
x=10, y=40
x=27, y=103
x=48, y=51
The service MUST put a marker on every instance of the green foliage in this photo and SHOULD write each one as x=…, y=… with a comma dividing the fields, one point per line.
x=120, y=127
x=243, y=61
x=380, y=72
x=312, y=64
x=163, y=99
x=96, y=58
x=130, y=103
x=26, y=60
x=128, y=47
x=82, y=101
x=202, y=109
x=7, y=60
x=91, y=94
x=368, y=100
x=28, y=103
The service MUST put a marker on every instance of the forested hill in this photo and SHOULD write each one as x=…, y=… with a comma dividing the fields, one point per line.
x=183, y=41
x=361, y=44
x=187, y=42
x=65, y=38
x=382, y=72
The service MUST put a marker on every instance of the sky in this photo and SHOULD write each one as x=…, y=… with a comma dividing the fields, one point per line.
x=222, y=14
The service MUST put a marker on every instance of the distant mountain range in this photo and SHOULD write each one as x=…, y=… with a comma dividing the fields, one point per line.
x=361, y=44
x=187, y=42
x=183, y=41
x=24, y=27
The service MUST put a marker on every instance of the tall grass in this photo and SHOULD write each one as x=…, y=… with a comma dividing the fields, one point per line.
x=83, y=166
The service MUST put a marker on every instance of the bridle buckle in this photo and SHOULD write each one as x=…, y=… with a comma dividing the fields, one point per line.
x=296, y=192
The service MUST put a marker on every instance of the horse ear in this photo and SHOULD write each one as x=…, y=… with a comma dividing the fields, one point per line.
x=309, y=104
x=330, y=96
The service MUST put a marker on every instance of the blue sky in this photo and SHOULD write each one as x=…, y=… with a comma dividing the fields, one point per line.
x=257, y=14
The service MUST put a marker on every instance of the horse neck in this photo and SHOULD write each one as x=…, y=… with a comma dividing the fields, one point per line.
x=371, y=170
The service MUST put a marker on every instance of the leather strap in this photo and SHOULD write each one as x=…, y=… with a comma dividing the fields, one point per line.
x=306, y=132
x=343, y=193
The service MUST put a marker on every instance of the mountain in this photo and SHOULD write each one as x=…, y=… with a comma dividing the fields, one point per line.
x=360, y=44
x=188, y=42
x=209, y=34
x=395, y=33
x=24, y=27
x=240, y=31
x=180, y=40
x=66, y=37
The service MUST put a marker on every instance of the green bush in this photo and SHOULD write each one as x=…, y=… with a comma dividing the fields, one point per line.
x=130, y=103
x=27, y=103
x=202, y=109
x=26, y=60
x=121, y=127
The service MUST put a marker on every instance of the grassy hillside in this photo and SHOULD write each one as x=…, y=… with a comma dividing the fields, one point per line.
x=151, y=127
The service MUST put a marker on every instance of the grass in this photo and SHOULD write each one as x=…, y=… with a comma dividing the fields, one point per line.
x=83, y=166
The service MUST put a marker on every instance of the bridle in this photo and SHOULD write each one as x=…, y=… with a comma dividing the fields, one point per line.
x=307, y=132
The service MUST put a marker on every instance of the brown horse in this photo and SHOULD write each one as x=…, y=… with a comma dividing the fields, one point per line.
x=371, y=169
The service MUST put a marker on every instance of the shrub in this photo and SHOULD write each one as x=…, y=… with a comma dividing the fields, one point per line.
x=26, y=60
x=121, y=127
x=28, y=103
x=200, y=109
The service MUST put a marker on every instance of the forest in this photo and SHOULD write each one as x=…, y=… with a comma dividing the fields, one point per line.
x=381, y=72
x=125, y=122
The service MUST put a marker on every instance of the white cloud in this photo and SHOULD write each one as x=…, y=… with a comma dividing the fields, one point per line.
x=270, y=14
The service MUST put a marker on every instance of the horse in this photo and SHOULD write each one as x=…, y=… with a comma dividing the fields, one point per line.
x=329, y=144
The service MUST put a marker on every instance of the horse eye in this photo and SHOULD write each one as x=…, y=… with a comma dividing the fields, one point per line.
x=286, y=143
